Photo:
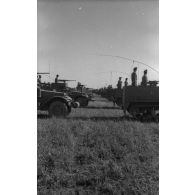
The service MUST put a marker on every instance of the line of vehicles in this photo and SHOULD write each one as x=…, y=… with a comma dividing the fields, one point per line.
x=142, y=102
x=58, y=98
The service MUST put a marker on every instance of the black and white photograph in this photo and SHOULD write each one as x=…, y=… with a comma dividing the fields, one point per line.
x=98, y=97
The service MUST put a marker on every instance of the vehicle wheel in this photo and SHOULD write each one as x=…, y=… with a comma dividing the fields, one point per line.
x=58, y=109
x=82, y=101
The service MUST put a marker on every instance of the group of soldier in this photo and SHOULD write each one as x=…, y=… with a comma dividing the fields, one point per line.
x=119, y=84
x=134, y=79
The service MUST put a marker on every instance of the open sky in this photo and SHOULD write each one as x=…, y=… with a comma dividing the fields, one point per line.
x=72, y=34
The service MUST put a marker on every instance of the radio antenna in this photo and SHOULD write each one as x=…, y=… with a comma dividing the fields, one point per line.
x=129, y=59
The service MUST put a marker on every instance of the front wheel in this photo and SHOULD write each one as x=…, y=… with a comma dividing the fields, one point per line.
x=58, y=109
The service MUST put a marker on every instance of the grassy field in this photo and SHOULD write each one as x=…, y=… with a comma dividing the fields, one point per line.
x=97, y=151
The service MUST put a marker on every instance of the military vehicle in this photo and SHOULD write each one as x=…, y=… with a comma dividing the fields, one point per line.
x=76, y=95
x=61, y=85
x=80, y=97
x=89, y=92
x=141, y=102
x=58, y=104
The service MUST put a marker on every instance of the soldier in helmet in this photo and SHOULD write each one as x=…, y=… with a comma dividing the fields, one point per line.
x=56, y=79
x=126, y=82
x=144, y=79
x=134, y=77
x=119, y=84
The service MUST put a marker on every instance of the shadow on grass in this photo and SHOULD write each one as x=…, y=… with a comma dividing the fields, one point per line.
x=99, y=118
x=100, y=100
x=93, y=118
x=103, y=107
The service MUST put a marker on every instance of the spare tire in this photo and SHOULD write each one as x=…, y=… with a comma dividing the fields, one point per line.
x=58, y=109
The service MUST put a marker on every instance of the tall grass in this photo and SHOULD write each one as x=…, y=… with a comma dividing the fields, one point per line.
x=97, y=157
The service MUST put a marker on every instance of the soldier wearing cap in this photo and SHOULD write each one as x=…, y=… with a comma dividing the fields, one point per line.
x=56, y=79
x=144, y=79
x=126, y=82
x=119, y=84
x=134, y=77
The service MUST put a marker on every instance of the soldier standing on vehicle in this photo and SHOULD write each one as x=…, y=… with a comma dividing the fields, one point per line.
x=119, y=84
x=144, y=79
x=126, y=82
x=78, y=86
x=134, y=77
x=56, y=79
x=39, y=80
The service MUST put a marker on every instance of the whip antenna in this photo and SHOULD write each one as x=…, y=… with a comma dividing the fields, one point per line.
x=129, y=59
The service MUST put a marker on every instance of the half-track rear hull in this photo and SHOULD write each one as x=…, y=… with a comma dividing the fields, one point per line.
x=141, y=101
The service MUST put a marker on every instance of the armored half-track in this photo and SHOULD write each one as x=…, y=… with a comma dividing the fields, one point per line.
x=140, y=101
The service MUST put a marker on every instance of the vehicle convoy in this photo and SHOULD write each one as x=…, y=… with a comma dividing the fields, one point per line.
x=58, y=104
x=79, y=95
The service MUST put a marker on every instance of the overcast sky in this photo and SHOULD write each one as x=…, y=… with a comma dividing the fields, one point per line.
x=71, y=33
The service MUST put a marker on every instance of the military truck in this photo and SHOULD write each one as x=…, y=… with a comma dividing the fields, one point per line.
x=62, y=86
x=58, y=104
x=80, y=97
x=76, y=95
